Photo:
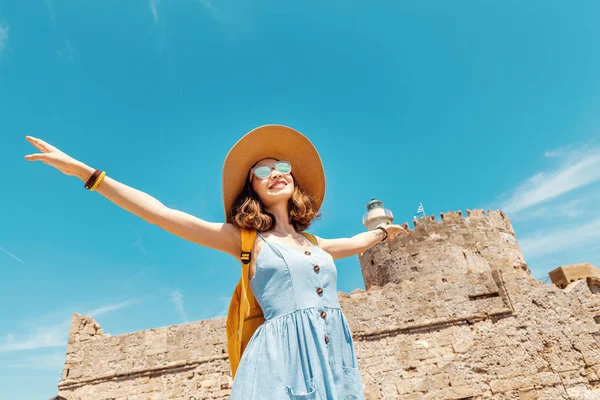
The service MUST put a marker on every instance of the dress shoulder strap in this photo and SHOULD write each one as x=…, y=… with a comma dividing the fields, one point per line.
x=261, y=236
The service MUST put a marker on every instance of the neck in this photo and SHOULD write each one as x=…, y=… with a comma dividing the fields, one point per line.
x=282, y=219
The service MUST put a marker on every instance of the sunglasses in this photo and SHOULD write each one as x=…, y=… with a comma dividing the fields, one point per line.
x=264, y=171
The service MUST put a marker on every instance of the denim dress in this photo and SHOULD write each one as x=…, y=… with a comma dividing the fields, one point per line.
x=304, y=349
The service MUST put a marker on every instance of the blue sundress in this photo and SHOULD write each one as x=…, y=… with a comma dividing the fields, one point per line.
x=304, y=349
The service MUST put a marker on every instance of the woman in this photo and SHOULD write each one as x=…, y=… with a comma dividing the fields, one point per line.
x=273, y=182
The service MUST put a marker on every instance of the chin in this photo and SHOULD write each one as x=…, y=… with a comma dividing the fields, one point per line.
x=274, y=198
x=282, y=196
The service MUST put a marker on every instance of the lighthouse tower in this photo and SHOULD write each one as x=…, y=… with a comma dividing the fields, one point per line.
x=377, y=215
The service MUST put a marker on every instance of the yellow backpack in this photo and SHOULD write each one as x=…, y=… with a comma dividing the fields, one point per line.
x=245, y=315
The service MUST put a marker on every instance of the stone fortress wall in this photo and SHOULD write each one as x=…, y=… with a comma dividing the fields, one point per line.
x=450, y=312
x=456, y=245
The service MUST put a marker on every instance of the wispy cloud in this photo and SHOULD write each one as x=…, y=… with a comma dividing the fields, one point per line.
x=51, y=12
x=207, y=3
x=222, y=302
x=67, y=51
x=138, y=242
x=225, y=303
x=53, y=361
x=154, y=9
x=578, y=168
x=50, y=336
x=96, y=312
x=551, y=242
x=3, y=36
x=177, y=299
x=570, y=209
x=55, y=335
x=12, y=255
x=236, y=14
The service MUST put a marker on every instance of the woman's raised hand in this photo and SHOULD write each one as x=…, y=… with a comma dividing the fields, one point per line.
x=395, y=230
x=53, y=156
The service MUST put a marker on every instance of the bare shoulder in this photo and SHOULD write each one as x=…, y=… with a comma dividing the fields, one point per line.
x=232, y=239
x=320, y=241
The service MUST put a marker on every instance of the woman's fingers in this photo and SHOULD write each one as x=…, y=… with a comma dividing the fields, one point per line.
x=35, y=142
x=44, y=157
x=396, y=230
x=34, y=157
x=40, y=144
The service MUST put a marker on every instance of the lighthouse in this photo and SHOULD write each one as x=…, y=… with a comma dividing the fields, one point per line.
x=377, y=215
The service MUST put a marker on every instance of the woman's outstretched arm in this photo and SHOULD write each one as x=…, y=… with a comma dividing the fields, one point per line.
x=346, y=247
x=220, y=236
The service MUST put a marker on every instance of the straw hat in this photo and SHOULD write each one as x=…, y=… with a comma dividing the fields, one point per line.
x=278, y=142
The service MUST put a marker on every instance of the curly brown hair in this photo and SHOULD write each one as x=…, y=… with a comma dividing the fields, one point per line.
x=248, y=211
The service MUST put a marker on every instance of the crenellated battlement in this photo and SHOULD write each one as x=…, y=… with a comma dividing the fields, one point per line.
x=496, y=217
x=451, y=215
x=455, y=244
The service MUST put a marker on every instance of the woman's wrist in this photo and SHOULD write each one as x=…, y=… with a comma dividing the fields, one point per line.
x=383, y=232
x=84, y=171
x=375, y=236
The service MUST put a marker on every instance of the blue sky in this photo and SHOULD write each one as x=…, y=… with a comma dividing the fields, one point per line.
x=468, y=104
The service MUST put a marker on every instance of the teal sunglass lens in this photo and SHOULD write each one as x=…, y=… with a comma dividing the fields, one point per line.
x=283, y=167
x=262, y=172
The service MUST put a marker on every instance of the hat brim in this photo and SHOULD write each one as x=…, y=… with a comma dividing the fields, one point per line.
x=278, y=142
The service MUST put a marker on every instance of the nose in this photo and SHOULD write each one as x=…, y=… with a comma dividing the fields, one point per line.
x=275, y=174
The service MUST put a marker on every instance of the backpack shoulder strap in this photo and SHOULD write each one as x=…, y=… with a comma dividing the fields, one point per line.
x=246, y=295
x=310, y=237
x=248, y=236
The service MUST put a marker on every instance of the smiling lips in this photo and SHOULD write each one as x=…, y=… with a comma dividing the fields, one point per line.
x=278, y=183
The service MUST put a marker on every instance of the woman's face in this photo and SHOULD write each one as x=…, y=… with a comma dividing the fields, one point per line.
x=275, y=188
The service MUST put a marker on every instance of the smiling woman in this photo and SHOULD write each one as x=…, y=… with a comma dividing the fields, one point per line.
x=273, y=188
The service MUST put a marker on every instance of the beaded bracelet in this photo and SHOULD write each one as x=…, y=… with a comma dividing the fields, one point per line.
x=90, y=182
x=98, y=181
x=95, y=179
